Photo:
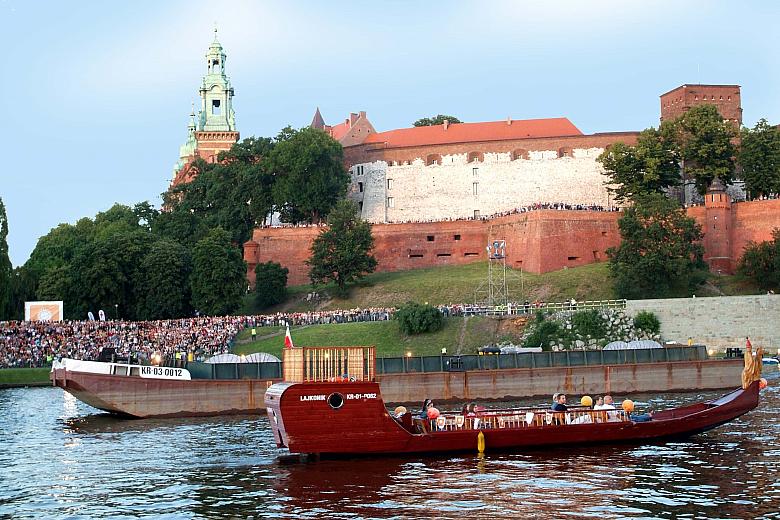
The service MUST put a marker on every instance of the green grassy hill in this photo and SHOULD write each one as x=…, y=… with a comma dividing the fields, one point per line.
x=453, y=284
x=459, y=336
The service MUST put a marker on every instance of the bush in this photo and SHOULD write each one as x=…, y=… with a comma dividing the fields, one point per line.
x=589, y=323
x=415, y=318
x=647, y=322
x=544, y=334
x=270, y=284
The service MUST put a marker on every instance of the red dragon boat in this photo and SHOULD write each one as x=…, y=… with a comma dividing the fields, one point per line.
x=330, y=403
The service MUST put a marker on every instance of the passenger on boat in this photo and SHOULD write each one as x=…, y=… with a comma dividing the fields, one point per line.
x=599, y=405
x=470, y=410
x=609, y=404
x=424, y=412
x=560, y=403
x=641, y=417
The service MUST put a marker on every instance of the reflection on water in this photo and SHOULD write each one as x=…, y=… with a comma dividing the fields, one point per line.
x=60, y=458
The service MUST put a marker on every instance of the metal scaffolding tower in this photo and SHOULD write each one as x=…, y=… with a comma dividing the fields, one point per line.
x=494, y=290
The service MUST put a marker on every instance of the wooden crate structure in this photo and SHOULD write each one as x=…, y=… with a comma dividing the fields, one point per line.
x=317, y=364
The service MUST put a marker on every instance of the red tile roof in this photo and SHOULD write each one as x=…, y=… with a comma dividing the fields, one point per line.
x=338, y=131
x=472, y=132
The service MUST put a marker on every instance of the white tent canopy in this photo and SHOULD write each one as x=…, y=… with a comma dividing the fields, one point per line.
x=257, y=357
x=631, y=345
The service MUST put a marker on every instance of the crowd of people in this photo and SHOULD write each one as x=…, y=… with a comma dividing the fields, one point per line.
x=37, y=344
x=520, y=209
x=558, y=206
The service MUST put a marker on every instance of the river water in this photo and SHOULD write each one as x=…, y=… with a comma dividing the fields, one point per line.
x=60, y=458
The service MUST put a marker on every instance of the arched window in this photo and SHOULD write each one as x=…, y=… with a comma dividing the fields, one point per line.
x=433, y=159
x=519, y=154
x=476, y=156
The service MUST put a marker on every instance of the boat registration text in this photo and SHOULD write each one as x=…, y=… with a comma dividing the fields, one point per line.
x=162, y=372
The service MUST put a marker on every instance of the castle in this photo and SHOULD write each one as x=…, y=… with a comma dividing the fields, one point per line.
x=438, y=194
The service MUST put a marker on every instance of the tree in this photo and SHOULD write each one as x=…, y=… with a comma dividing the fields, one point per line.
x=436, y=120
x=342, y=251
x=759, y=156
x=416, y=318
x=705, y=145
x=270, y=284
x=6, y=270
x=761, y=262
x=218, y=279
x=649, y=166
x=104, y=273
x=22, y=290
x=310, y=174
x=146, y=214
x=162, y=284
x=183, y=226
x=660, y=253
x=234, y=193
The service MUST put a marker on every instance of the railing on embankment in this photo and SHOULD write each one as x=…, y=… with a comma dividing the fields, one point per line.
x=517, y=308
x=430, y=364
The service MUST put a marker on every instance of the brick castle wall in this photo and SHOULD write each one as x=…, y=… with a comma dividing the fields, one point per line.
x=538, y=241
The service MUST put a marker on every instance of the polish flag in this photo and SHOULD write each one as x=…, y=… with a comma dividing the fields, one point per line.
x=287, y=338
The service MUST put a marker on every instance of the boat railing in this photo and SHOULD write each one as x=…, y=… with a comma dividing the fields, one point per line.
x=323, y=364
x=515, y=419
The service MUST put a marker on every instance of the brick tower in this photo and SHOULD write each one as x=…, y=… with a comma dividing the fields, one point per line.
x=214, y=129
x=725, y=97
x=717, y=230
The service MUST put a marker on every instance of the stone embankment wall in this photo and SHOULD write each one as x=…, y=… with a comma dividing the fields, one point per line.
x=621, y=380
x=718, y=322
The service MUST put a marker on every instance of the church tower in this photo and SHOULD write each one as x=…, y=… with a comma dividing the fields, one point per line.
x=213, y=129
x=216, y=130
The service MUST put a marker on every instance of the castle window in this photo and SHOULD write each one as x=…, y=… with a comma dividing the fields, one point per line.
x=475, y=188
x=729, y=98
x=433, y=159
x=520, y=154
x=475, y=171
x=360, y=187
x=476, y=157
x=565, y=152
x=456, y=237
x=390, y=202
x=216, y=108
x=476, y=213
x=429, y=238
x=389, y=184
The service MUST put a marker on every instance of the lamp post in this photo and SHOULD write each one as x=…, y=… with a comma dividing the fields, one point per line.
x=116, y=311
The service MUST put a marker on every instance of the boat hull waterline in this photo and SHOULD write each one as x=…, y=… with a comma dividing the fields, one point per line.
x=303, y=420
x=139, y=397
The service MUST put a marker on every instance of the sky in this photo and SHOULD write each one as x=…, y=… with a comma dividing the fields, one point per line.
x=95, y=96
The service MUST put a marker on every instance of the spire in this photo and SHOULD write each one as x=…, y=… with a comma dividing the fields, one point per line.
x=216, y=111
x=318, y=122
